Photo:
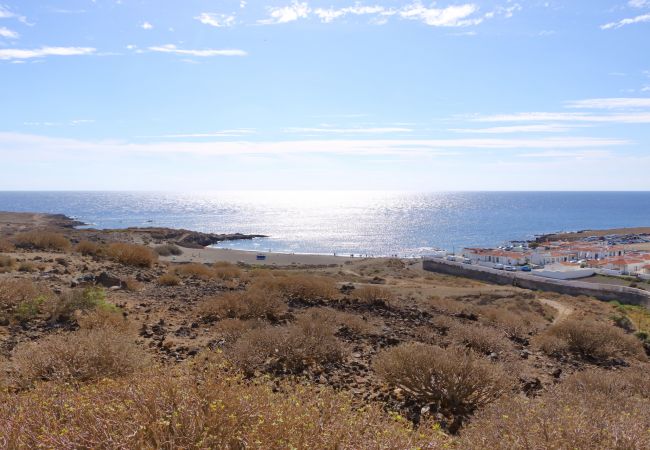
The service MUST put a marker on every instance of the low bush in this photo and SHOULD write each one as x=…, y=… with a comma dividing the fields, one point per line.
x=373, y=295
x=168, y=250
x=480, y=338
x=79, y=300
x=594, y=409
x=27, y=266
x=452, y=381
x=22, y=300
x=6, y=246
x=251, y=304
x=195, y=270
x=132, y=254
x=88, y=248
x=169, y=279
x=230, y=330
x=6, y=263
x=590, y=339
x=211, y=408
x=42, y=240
x=81, y=356
x=226, y=271
x=307, y=288
x=310, y=342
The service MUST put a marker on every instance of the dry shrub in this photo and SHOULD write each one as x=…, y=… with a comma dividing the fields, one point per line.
x=6, y=246
x=480, y=338
x=88, y=248
x=195, y=270
x=131, y=284
x=169, y=279
x=517, y=326
x=230, y=330
x=452, y=381
x=373, y=295
x=310, y=342
x=226, y=271
x=22, y=300
x=168, y=250
x=132, y=254
x=590, y=339
x=300, y=287
x=27, y=266
x=212, y=408
x=6, y=263
x=251, y=304
x=79, y=300
x=42, y=240
x=103, y=318
x=595, y=410
x=81, y=356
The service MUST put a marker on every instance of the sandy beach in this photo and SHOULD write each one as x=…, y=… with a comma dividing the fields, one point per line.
x=211, y=255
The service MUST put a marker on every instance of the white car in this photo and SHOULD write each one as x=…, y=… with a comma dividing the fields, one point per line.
x=498, y=266
x=510, y=268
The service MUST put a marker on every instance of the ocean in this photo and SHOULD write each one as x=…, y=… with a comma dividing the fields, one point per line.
x=360, y=223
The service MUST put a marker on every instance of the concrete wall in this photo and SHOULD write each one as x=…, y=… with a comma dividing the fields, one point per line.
x=564, y=275
x=605, y=292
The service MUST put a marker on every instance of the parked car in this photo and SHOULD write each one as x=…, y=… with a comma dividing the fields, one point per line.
x=526, y=269
x=498, y=266
x=510, y=268
x=467, y=261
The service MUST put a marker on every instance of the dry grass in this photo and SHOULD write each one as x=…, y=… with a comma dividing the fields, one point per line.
x=594, y=409
x=42, y=240
x=373, y=295
x=132, y=254
x=195, y=270
x=168, y=250
x=251, y=304
x=6, y=246
x=209, y=408
x=310, y=342
x=78, y=300
x=589, y=339
x=6, y=263
x=306, y=288
x=22, y=300
x=480, y=338
x=452, y=381
x=226, y=271
x=169, y=279
x=81, y=356
x=89, y=248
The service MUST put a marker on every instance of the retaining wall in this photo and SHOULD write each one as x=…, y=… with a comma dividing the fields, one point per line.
x=606, y=292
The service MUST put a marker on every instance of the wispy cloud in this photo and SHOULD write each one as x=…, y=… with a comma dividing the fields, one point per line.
x=204, y=53
x=451, y=16
x=543, y=128
x=18, y=54
x=6, y=13
x=16, y=142
x=284, y=14
x=331, y=14
x=581, y=154
x=239, y=132
x=8, y=34
x=146, y=26
x=331, y=130
x=216, y=19
x=610, y=103
x=621, y=23
x=639, y=3
x=632, y=117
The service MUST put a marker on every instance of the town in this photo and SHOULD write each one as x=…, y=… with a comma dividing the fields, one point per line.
x=613, y=255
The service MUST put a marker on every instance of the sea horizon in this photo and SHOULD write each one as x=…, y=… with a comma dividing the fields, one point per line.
x=373, y=223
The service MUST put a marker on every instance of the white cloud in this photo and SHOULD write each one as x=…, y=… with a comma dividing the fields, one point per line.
x=16, y=142
x=451, y=16
x=146, y=26
x=610, y=103
x=639, y=3
x=331, y=14
x=223, y=133
x=15, y=53
x=636, y=117
x=330, y=130
x=544, y=128
x=216, y=20
x=5, y=13
x=171, y=48
x=284, y=14
x=8, y=34
x=582, y=154
x=630, y=21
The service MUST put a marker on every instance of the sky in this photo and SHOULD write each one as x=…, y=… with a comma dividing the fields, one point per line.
x=324, y=94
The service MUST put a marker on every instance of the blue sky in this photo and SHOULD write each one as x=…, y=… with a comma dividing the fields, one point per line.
x=282, y=94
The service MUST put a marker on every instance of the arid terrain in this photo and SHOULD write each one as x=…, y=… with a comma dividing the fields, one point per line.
x=141, y=338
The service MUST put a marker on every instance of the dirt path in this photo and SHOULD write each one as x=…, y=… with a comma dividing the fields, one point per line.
x=563, y=311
